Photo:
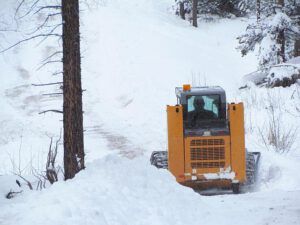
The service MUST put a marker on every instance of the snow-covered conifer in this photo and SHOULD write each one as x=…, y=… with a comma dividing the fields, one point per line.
x=266, y=34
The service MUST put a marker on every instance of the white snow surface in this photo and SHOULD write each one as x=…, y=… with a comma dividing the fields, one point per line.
x=282, y=71
x=107, y=194
x=135, y=53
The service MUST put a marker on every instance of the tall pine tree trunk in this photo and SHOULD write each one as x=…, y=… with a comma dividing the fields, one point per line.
x=72, y=90
x=195, y=5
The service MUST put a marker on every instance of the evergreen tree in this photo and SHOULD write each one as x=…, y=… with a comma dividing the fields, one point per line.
x=223, y=8
x=275, y=34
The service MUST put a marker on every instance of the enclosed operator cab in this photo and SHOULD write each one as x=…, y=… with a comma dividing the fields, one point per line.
x=206, y=140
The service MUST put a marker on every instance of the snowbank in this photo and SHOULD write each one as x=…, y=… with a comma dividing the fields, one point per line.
x=135, y=53
x=118, y=191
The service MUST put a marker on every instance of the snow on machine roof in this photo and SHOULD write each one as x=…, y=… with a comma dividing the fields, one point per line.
x=186, y=90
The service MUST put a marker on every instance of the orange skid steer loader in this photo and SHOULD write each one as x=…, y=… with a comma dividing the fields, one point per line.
x=206, y=141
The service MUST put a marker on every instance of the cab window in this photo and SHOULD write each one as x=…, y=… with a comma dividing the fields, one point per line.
x=207, y=104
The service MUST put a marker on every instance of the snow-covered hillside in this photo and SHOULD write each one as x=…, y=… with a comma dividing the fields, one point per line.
x=135, y=52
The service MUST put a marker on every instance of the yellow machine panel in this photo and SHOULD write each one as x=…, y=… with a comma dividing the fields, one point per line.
x=237, y=136
x=175, y=142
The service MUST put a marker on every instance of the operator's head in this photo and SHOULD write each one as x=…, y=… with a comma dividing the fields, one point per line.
x=198, y=103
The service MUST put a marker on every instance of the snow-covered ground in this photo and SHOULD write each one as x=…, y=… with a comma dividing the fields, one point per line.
x=135, y=52
x=120, y=191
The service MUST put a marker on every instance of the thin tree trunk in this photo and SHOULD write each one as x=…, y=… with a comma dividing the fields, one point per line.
x=297, y=41
x=280, y=2
x=281, y=39
x=281, y=42
x=181, y=10
x=195, y=5
x=258, y=9
x=72, y=90
x=297, y=48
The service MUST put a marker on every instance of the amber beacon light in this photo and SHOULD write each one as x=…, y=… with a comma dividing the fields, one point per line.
x=186, y=87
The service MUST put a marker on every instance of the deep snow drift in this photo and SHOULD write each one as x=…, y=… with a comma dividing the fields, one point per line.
x=121, y=191
x=135, y=53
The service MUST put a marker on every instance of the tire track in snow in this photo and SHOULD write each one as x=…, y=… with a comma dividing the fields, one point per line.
x=115, y=141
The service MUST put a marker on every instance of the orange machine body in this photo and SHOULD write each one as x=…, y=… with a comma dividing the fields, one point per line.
x=207, y=161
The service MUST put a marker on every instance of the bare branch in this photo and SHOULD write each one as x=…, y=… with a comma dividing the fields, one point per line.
x=8, y=30
x=30, y=10
x=58, y=93
x=28, y=39
x=51, y=170
x=27, y=182
x=12, y=161
x=38, y=85
x=51, y=110
x=40, y=182
x=45, y=22
x=18, y=8
x=55, y=53
x=48, y=7
x=48, y=62
x=51, y=32
x=12, y=194
x=263, y=138
x=49, y=153
x=57, y=73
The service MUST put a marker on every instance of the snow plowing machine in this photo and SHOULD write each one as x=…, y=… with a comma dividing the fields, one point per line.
x=206, y=141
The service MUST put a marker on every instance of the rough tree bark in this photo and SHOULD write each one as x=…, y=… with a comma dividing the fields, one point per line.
x=72, y=90
x=195, y=5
